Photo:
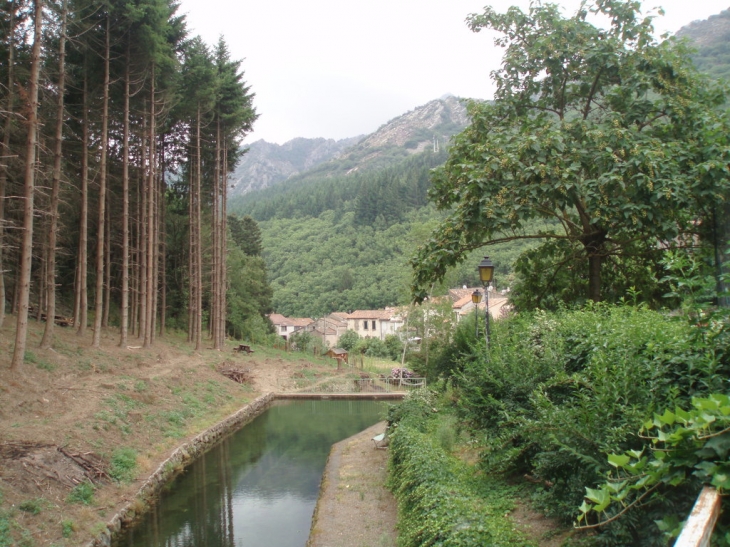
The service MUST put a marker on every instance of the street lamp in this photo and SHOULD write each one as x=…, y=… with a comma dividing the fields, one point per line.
x=476, y=297
x=486, y=275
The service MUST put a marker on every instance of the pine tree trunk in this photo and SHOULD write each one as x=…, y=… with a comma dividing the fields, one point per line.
x=47, y=340
x=82, y=296
x=5, y=151
x=191, y=246
x=215, y=272
x=224, y=246
x=21, y=331
x=101, y=229
x=124, y=327
x=107, y=261
x=198, y=249
x=162, y=231
x=142, y=250
x=150, y=219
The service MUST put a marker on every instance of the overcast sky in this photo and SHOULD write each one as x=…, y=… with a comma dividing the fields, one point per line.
x=341, y=68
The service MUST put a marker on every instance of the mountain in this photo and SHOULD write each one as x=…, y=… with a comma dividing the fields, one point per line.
x=711, y=37
x=266, y=164
x=426, y=127
x=429, y=126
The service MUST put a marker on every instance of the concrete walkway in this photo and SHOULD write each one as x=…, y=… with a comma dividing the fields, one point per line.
x=354, y=507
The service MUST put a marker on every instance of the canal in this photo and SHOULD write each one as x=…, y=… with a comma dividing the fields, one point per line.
x=260, y=485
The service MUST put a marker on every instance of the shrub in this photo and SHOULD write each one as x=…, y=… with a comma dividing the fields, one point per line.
x=34, y=506
x=348, y=340
x=439, y=500
x=559, y=390
x=82, y=493
x=123, y=464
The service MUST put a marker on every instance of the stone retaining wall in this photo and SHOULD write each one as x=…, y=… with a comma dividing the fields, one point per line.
x=183, y=455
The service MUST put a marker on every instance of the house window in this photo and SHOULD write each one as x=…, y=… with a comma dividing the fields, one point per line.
x=283, y=328
x=365, y=325
x=373, y=325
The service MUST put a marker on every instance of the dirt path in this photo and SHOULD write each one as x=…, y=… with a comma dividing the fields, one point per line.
x=354, y=508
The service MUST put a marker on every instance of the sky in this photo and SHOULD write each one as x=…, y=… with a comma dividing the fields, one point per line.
x=342, y=68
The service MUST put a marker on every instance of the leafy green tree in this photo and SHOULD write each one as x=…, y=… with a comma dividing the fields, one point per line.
x=395, y=346
x=349, y=340
x=372, y=347
x=607, y=134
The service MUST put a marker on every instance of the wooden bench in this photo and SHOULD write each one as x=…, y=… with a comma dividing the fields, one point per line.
x=243, y=348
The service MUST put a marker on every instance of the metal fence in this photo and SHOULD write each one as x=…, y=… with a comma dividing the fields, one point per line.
x=367, y=385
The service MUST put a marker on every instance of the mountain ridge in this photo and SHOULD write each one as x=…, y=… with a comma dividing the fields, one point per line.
x=265, y=164
x=428, y=126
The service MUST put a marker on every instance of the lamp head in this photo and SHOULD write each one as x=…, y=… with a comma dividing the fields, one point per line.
x=486, y=271
x=476, y=297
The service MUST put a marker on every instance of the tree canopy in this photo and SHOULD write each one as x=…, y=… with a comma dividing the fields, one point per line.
x=609, y=135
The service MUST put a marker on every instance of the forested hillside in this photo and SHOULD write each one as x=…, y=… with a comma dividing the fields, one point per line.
x=98, y=103
x=338, y=237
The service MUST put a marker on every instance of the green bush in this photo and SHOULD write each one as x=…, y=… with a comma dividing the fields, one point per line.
x=439, y=497
x=82, y=493
x=123, y=464
x=559, y=390
x=34, y=506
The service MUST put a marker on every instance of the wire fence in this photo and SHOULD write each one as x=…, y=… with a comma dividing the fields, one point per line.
x=367, y=385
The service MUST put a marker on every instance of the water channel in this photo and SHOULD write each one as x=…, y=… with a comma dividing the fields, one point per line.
x=260, y=485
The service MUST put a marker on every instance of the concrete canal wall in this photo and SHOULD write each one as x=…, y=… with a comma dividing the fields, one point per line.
x=183, y=455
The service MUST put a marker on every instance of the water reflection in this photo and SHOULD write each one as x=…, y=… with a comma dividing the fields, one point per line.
x=259, y=486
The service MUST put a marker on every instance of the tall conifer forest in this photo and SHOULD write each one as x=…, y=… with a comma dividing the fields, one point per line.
x=117, y=134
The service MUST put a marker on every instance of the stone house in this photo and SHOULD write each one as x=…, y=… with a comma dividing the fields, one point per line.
x=286, y=326
x=375, y=323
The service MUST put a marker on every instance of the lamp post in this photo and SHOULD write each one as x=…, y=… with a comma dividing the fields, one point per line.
x=476, y=297
x=486, y=274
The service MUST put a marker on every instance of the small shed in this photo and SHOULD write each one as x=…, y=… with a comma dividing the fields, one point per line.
x=338, y=353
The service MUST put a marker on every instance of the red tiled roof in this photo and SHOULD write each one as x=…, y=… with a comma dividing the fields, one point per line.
x=278, y=319
x=384, y=315
x=462, y=302
x=458, y=294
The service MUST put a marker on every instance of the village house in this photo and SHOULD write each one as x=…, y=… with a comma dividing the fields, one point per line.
x=329, y=328
x=464, y=306
x=375, y=323
x=286, y=326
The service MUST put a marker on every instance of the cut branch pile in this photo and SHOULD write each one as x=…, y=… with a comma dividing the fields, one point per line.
x=242, y=376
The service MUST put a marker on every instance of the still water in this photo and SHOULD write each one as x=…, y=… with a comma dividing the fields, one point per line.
x=260, y=485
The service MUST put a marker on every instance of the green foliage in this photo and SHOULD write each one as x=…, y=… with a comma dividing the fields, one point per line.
x=349, y=340
x=249, y=296
x=440, y=499
x=394, y=347
x=560, y=390
x=611, y=137
x=6, y=538
x=688, y=448
x=82, y=493
x=246, y=234
x=67, y=528
x=123, y=464
x=373, y=347
x=34, y=506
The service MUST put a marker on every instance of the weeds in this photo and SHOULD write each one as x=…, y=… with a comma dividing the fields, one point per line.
x=124, y=462
x=34, y=506
x=82, y=494
x=67, y=528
